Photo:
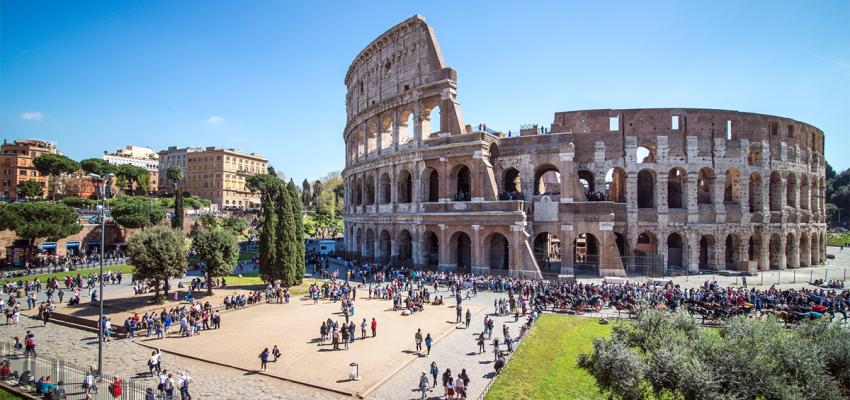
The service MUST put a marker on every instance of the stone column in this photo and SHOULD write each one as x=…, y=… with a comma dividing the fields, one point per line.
x=693, y=239
x=693, y=204
x=417, y=124
x=366, y=138
x=567, y=250
x=718, y=196
x=764, y=256
x=568, y=173
x=661, y=199
x=720, y=252
x=395, y=129
x=444, y=180
x=744, y=198
x=379, y=133
x=444, y=262
x=516, y=261
x=477, y=262
x=393, y=249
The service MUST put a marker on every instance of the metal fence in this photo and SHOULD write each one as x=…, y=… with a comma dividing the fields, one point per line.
x=85, y=267
x=25, y=371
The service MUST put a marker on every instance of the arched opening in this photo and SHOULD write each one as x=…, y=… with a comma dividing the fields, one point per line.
x=370, y=190
x=384, y=246
x=586, y=255
x=512, y=182
x=386, y=130
x=790, y=250
x=461, y=251
x=733, y=255
x=732, y=189
x=707, y=257
x=405, y=187
x=775, y=251
x=585, y=177
x=547, y=181
x=430, y=185
x=615, y=179
x=405, y=247
x=547, y=252
x=804, y=192
x=705, y=186
x=754, y=251
x=644, y=155
x=434, y=120
x=646, y=189
x=385, y=191
x=647, y=245
x=358, y=192
x=498, y=252
x=775, y=193
x=791, y=190
x=405, y=127
x=805, y=251
x=463, y=188
x=431, y=249
x=358, y=242
x=369, y=250
x=815, y=249
x=675, y=251
x=755, y=193
x=754, y=158
x=676, y=188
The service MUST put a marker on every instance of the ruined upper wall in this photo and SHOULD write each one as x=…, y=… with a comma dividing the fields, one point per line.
x=701, y=123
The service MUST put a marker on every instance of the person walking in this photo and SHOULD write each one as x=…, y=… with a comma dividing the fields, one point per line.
x=374, y=327
x=435, y=372
x=481, y=343
x=468, y=317
x=344, y=335
x=428, y=342
x=495, y=349
x=183, y=384
x=335, y=339
x=459, y=314
x=423, y=385
x=363, y=329
x=264, y=359
x=418, y=339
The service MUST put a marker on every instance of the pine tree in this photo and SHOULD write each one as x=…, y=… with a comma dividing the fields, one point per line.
x=286, y=251
x=177, y=218
x=297, y=214
x=268, y=186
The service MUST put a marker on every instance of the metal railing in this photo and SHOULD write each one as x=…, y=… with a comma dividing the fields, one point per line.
x=25, y=372
x=67, y=267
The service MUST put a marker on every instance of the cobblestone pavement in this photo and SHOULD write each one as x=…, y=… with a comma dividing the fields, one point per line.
x=129, y=360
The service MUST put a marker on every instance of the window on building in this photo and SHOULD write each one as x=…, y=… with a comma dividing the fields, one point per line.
x=614, y=123
x=728, y=130
x=674, y=123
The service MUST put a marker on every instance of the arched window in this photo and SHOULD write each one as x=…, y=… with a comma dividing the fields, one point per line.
x=513, y=182
x=405, y=187
x=731, y=192
x=705, y=186
x=463, y=187
x=385, y=191
x=755, y=192
x=615, y=180
x=547, y=180
x=676, y=188
x=646, y=189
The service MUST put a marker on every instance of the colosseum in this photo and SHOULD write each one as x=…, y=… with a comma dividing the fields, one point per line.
x=597, y=193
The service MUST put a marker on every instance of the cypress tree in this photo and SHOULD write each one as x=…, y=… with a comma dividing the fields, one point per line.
x=268, y=236
x=297, y=215
x=177, y=218
x=286, y=250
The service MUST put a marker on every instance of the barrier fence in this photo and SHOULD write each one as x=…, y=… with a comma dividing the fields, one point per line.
x=25, y=371
x=85, y=267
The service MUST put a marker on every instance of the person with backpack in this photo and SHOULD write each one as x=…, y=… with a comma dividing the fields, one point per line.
x=264, y=359
x=183, y=383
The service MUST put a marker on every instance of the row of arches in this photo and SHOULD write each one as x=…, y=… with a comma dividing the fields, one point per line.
x=395, y=128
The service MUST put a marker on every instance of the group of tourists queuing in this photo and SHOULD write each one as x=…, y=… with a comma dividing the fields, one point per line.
x=66, y=261
x=186, y=320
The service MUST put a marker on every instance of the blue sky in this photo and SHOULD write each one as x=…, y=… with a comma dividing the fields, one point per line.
x=267, y=76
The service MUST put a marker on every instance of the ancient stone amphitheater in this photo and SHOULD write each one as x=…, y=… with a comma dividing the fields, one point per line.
x=599, y=192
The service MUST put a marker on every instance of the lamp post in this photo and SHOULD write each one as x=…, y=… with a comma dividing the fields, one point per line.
x=100, y=323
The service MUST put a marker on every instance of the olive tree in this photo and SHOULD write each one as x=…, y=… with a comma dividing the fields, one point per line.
x=157, y=254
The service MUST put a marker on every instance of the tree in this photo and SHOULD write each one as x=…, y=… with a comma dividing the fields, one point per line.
x=97, y=166
x=267, y=185
x=30, y=189
x=157, y=254
x=318, y=187
x=39, y=219
x=306, y=193
x=136, y=212
x=285, y=232
x=297, y=215
x=174, y=175
x=218, y=249
x=130, y=176
x=53, y=165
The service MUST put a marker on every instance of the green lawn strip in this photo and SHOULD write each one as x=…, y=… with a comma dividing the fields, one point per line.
x=837, y=238
x=247, y=255
x=253, y=279
x=545, y=364
x=7, y=395
x=127, y=269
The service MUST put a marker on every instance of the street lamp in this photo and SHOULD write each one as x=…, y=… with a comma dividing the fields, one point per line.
x=100, y=328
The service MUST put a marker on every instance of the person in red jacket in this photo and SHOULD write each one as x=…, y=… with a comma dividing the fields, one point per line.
x=115, y=387
x=374, y=327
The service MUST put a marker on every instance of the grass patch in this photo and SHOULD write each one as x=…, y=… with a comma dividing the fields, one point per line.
x=247, y=255
x=124, y=268
x=253, y=279
x=7, y=395
x=545, y=365
x=837, y=238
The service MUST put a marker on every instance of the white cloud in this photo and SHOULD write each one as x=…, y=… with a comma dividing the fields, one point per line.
x=215, y=120
x=32, y=116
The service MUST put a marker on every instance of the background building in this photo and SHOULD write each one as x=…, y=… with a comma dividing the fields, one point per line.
x=139, y=156
x=173, y=157
x=16, y=164
x=219, y=175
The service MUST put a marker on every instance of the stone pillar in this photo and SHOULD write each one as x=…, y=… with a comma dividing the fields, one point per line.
x=693, y=239
x=783, y=262
x=631, y=192
x=663, y=250
x=661, y=199
x=720, y=252
x=764, y=257
x=567, y=250
x=794, y=262
x=395, y=129
x=718, y=196
x=744, y=198
x=416, y=248
x=366, y=138
x=568, y=174
x=444, y=180
x=693, y=205
x=478, y=266
x=444, y=263
x=417, y=124
x=393, y=249
x=357, y=143
x=516, y=261
x=379, y=133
